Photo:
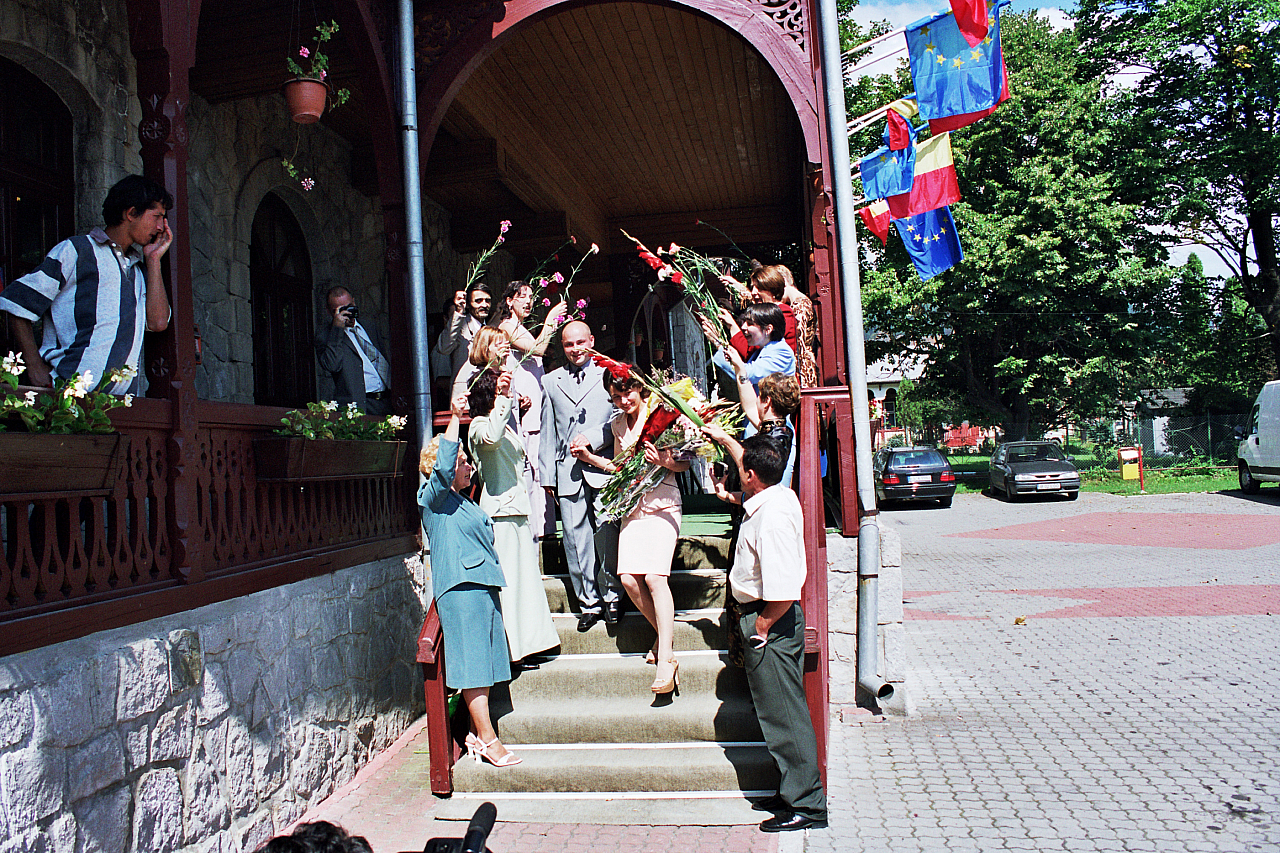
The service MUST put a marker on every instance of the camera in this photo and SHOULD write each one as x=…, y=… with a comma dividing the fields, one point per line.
x=350, y=311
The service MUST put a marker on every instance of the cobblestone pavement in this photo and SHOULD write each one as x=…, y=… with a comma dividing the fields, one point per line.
x=1137, y=707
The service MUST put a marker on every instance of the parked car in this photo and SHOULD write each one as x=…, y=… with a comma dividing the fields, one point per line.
x=906, y=473
x=1033, y=468
x=1259, y=452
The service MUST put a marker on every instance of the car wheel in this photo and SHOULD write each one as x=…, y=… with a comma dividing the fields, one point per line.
x=946, y=502
x=1248, y=485
x=1009, y=494
x=1072, y=495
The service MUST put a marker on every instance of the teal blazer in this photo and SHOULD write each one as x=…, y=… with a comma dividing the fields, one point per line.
x=459, y=533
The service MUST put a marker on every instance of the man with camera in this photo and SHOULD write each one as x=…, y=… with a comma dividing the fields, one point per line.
x=360, y=372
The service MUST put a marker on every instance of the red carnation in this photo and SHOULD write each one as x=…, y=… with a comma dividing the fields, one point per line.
x=617, y=368
x=677, y=277
x=657, y=423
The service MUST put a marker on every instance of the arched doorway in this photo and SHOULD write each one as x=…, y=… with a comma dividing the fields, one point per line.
x=283, y=328
x=37, y=177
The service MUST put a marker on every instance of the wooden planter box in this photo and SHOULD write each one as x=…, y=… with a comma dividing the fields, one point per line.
x=37, y=462
x=290, y=458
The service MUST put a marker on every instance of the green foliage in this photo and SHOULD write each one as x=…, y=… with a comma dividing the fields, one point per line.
x=317, y=67
x=1038, y=322
x=328, y=420
x=71, y=407
x=1198, y=133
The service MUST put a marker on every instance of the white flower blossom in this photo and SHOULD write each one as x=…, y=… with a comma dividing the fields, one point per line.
x=397, y=421
x=31, y=398
x=77, y=389
x=353, y=409
x=13, y=363
x=128, y=400
x=331, y=405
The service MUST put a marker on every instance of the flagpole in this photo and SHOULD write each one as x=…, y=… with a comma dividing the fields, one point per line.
x=866, y=44
x=873, y=60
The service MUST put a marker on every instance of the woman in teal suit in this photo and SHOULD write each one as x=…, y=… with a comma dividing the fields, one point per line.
x=465, y=580
x=505, y=499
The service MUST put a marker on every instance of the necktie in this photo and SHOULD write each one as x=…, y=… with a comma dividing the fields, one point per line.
x=375, y=358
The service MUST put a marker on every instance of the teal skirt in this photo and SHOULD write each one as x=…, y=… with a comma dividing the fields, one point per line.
x=475, y=641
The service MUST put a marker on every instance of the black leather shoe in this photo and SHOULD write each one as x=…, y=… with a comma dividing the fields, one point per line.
x=787, y=822
x=612, y=612
x=771, y=804
x=586, y=620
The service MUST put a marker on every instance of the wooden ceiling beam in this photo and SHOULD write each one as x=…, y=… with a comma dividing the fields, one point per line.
x=758, y=224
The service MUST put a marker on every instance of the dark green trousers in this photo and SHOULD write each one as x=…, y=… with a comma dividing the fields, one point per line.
x=776, y=676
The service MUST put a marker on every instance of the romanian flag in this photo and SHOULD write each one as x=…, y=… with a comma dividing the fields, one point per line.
x=956, y=83
x=934, y=182
x=931, y=241
x=898, y=132
x=876, y=217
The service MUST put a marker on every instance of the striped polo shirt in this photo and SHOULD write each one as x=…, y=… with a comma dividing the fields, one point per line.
x=92, y=299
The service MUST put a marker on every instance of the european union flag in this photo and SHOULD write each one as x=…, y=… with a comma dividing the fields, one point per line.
x=952, y=78
x=888, y=172
x=931, y=241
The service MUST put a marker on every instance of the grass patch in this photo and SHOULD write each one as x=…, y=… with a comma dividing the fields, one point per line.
x=1164, y=481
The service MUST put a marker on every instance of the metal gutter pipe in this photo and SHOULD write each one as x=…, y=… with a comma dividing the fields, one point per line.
x=855, y=337
x=413, y=222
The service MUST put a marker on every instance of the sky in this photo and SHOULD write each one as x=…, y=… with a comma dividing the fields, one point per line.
x=900, y=13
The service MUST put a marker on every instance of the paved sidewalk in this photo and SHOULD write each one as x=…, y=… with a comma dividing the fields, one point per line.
x=1138, y=707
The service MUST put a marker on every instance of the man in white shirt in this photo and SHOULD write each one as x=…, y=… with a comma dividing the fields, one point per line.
x=766, y=581
x=361, y=373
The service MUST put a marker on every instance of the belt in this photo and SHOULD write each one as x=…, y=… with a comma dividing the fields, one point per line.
x=378, y=395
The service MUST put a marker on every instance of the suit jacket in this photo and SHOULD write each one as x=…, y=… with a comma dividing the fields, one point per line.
x=339, y=358
x=459, y=532
x=573, y=405
x=497, y=448
x=456, y=339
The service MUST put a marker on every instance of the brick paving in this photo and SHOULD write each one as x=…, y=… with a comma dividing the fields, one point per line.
x=1137, y=708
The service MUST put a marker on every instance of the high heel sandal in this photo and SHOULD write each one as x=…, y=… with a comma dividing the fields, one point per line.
x=482, y=754
x=472, y=743
x=660, y=686
x=651, y=656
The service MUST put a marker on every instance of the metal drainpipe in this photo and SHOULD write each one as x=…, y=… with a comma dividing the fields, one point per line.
x=855, y=336
x=413, y=223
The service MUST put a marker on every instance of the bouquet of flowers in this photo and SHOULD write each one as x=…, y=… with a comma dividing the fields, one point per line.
x=673, y=421
x=692, y=273
x=328, y=420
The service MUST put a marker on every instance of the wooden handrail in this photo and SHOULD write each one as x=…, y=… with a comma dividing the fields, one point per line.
x=440, y=744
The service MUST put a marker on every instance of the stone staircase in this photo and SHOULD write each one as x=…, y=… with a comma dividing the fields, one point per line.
x=599, y=746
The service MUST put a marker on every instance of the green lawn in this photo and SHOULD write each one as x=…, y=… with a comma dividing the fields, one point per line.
x=1157, y=481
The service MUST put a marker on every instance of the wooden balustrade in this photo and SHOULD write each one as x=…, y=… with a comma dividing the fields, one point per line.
x=72, y=563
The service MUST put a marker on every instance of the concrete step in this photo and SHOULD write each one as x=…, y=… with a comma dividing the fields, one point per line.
x=691, y=589
x=624, y=767
x=636, y=718
x=608, y=808
x=694, y=630
x=578, y=679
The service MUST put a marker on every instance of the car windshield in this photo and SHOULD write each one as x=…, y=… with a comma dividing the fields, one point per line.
x=1036, y=453
x=915, y=457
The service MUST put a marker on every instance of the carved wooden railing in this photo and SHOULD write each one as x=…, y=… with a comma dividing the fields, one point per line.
x=72, y=563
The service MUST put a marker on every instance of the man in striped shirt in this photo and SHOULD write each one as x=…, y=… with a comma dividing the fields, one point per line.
x=95, y=294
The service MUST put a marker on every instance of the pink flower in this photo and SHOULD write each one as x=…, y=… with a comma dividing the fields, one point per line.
x=594, y=249
x=323, y=74
x=557, y=278
x=308, y=184
x=499, y=240
x=504, y=226
x=542, y=282
x=674, y=248
x=546, y=302
x=573, y=239
x=303, y=52
x=581, y=303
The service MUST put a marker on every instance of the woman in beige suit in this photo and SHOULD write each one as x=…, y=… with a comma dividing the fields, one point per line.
x=500, y=458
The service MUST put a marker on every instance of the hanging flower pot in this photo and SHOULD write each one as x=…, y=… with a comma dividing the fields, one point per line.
x=306, y=99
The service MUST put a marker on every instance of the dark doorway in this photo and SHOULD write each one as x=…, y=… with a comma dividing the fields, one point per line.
x=37, y=180
x=280, y=283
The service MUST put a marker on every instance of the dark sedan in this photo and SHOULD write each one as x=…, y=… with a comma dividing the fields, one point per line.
x=1033, y=468
x=907, y=473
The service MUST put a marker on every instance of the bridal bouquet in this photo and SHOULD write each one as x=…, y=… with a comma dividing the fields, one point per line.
x=674, y=416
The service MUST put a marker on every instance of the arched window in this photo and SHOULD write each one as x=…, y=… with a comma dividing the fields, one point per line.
x=891, y=407
x=37, y=179
x=283, y=330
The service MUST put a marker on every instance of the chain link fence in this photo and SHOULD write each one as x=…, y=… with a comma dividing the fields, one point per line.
x=1177, y=441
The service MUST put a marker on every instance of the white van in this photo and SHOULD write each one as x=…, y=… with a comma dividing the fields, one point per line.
x=1259, y=453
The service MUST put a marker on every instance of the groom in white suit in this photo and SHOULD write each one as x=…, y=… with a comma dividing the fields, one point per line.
x=576, y=408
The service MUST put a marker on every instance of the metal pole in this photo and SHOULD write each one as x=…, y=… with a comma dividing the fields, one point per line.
x=413, y=223
x=855, y=336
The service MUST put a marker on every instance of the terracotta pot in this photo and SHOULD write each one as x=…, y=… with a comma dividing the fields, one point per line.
x=306, y=99
x=290, y=458
x=39, y=462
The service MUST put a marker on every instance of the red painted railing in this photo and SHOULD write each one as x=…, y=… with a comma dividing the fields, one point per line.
x=72, y=563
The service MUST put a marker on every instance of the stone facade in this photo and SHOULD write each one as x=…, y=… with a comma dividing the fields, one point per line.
x=842, y=609
x=211, y=730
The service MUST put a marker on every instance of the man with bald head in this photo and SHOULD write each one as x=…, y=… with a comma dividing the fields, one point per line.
x=576, y=410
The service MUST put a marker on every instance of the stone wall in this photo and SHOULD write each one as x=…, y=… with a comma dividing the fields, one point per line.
x=842, y=609
x=210, y=730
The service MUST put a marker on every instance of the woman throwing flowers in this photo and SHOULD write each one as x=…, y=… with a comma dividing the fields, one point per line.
x=647, y=541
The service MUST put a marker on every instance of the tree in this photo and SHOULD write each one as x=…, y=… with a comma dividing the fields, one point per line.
x=1198, y=149
x=1046, y=316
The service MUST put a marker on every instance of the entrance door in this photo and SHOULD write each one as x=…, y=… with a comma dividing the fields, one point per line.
x=37, y=181
x=283, y=329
